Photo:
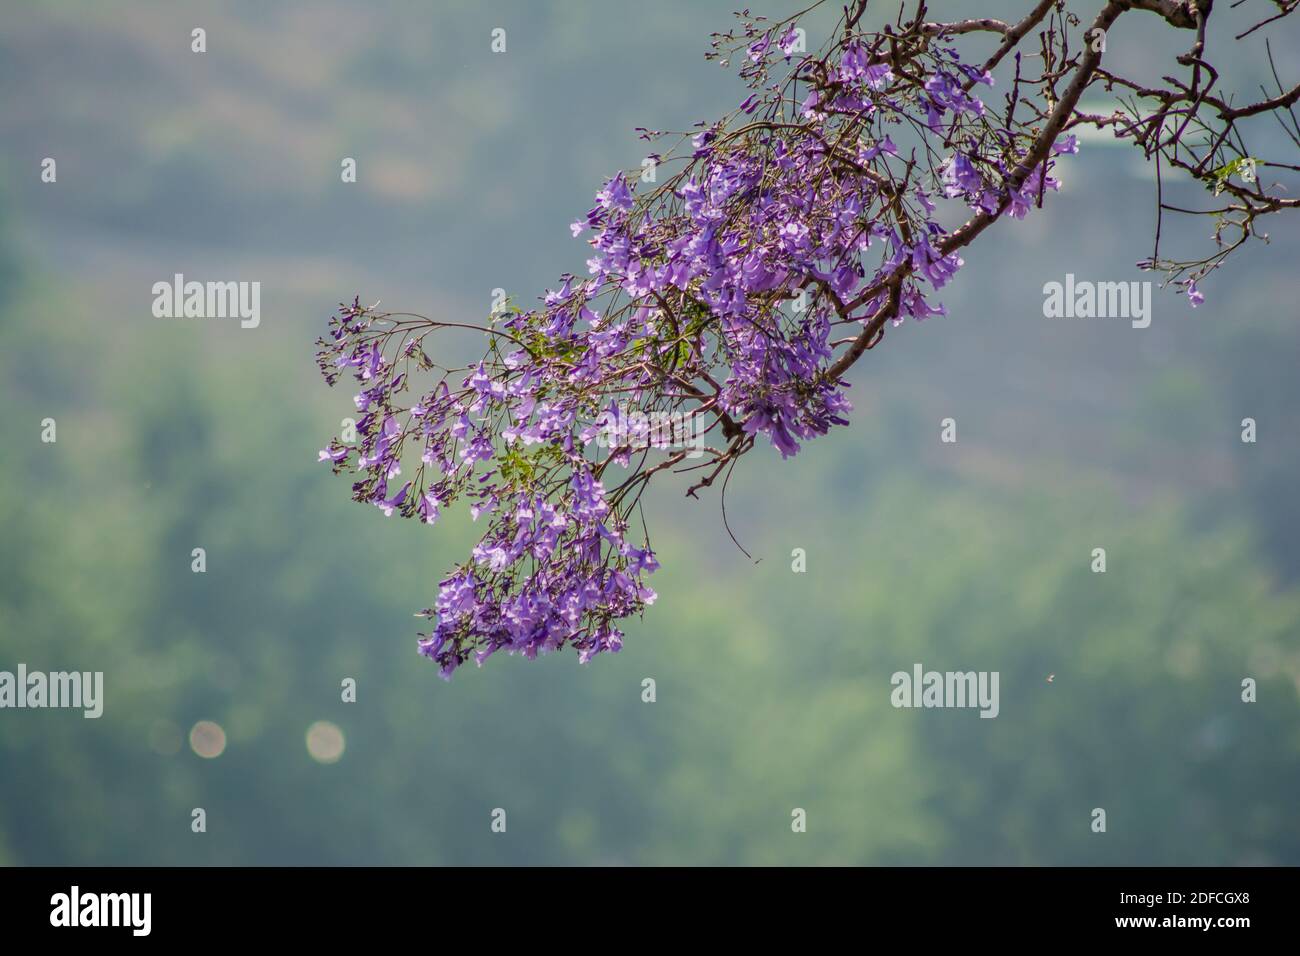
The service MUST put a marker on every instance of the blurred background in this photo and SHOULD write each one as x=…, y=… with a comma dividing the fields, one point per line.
x=772, y=687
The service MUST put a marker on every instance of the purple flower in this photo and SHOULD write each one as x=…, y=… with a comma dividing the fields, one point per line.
x=389, y=504
x=615, y=195
x=789, y=40
x=428, y=507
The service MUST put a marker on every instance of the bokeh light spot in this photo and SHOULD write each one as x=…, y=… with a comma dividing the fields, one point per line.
x=325, y=742
x=207, y=739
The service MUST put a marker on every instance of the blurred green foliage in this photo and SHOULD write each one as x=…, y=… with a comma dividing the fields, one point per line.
x=772, y=687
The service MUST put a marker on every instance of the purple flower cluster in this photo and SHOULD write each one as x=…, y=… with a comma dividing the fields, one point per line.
x=717, y=294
